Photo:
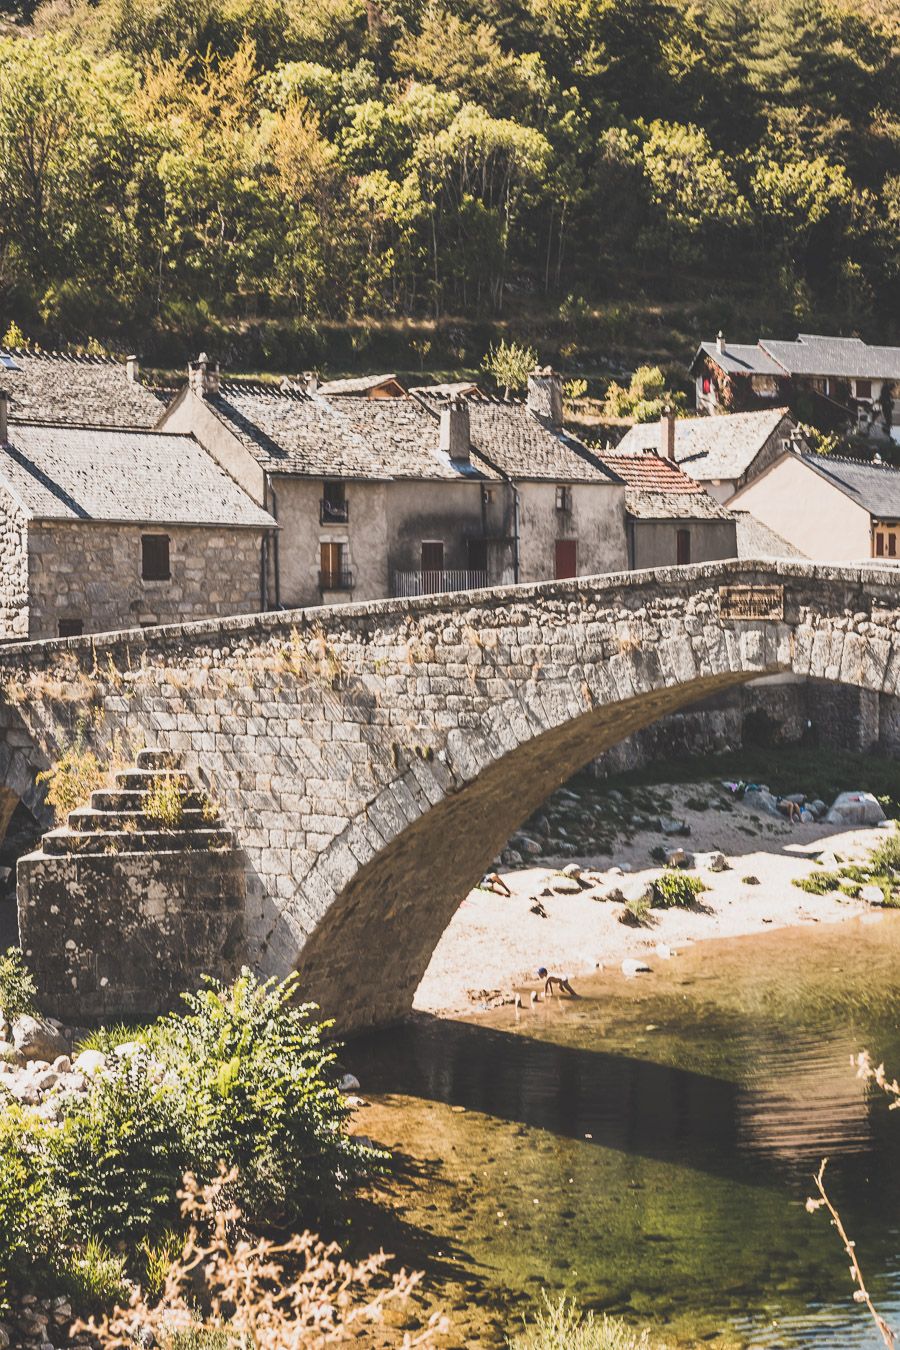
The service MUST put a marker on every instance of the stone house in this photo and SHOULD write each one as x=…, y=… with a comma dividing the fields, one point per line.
x=840, y=383
x=82, y=390
x=850, y=508
x=669, y=518
x=722, y=453
x=403, y=494
x=110, y=528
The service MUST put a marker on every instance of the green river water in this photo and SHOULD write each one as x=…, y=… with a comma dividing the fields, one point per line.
x=649, y=1148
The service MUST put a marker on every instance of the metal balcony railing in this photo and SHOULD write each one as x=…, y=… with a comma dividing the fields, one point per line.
x=407, y=584
x=333, y=513
x=336, y=581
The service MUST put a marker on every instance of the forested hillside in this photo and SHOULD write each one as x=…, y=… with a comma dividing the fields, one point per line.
x=289, y=178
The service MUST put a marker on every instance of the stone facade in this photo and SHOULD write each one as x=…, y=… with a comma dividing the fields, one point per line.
x=372, y=759
x=13, y=570
x=92, y=573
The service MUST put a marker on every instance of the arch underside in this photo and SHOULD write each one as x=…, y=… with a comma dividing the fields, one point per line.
x=368, y=954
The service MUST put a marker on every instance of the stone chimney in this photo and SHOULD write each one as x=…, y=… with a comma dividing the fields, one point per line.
x=545, y=395
x=667, y=434
x=132, y=369
x=203, y=376
x=311, y=381
x=720, y=341
x=4, y=417
x=455, y=440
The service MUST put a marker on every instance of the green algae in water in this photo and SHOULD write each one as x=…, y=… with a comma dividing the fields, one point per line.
x=662, y=1174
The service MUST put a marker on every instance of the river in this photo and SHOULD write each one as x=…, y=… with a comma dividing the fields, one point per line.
x=649, y=1147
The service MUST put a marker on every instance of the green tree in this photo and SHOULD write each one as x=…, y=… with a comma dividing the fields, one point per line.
x=509, y=364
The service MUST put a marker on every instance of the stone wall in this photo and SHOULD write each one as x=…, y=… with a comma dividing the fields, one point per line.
x=92, y=572
x=372, y=759
x=13, y=570
x=124, y=935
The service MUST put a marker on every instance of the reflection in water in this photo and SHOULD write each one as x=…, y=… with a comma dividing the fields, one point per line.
x=650, y=1147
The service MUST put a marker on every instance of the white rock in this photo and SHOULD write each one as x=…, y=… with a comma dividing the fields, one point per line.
x=632, y=967
x=128, y=1049
x=62, y=1064
x=90, y=1062
x=855, y=808
x=872, y=895
x=663, y=952
x=679, y=857
x=349, y=1083
x=37, y=1039
x=565, y=886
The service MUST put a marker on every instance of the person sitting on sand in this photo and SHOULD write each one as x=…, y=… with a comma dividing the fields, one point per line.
x=562, y=981
x=789, y=809
x=492, y=881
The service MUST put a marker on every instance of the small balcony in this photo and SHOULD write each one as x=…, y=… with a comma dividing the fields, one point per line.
x=336, y=581
x=406, y=585
x=333, y=513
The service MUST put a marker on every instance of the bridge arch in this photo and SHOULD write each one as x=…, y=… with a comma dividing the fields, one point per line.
x=372, y=759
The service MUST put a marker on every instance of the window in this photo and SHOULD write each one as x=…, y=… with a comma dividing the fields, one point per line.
x=432, y=555
x=334, y=575
x=155, y=557
x=334, y=508
x=892, y=545
x=566, y=559
x=564, y=499
x=682, y=547
x=71, y=627
x=879, y=544
x=863, y=388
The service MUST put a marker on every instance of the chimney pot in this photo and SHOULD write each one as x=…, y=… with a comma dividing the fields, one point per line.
x=132, y=369
x=203, y=376
x=455, y=439
x=667, y=433
x=545, y=395
x=720, y=341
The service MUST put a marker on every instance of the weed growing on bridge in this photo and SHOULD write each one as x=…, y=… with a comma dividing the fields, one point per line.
x=164, y=803
x=72, y=778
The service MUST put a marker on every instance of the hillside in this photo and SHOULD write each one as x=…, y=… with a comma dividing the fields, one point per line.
x=397, y=185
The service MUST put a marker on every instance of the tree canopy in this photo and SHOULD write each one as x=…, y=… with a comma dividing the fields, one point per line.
x=164, y=168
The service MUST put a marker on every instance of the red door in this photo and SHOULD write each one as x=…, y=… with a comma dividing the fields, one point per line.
x=566, y=558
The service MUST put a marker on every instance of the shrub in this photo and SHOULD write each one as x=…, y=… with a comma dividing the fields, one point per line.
x=120, y=1152
x=677, y=889
x=560, y=1326
x=636, y=911
x=818, y=882
x=886, y=858
x=17, y=991
x=32, y=1210
x=257, y=1092
x=94, y=1276
x=72, y=779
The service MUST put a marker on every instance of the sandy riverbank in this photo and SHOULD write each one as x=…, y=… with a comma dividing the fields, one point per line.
x=494, y=945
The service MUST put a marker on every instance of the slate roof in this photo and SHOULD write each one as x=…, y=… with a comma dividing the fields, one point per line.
x=361, y=384
x=106, y=474
x=711, y=447
x=740, y=358
x=53, y=387
x=379, y=439
x=874, y=487
x=810, y=354
x=757, y=540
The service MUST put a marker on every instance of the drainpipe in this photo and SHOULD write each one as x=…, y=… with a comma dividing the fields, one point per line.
x=516, y=517
x=270, y=503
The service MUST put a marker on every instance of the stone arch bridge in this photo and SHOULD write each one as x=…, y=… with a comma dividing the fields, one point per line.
x=370, y=760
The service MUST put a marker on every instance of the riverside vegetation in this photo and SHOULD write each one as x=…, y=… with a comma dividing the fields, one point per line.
x=400, y=181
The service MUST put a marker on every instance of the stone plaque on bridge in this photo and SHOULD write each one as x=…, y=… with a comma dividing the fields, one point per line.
x=751, y=602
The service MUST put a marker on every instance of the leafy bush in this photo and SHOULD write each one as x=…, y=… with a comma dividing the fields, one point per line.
x=121, y=1151
x=32, y=1209
x=561, y=1326
x=257, y=1093
x=677, y=889
x=886, y=858
x=17, y=990
x=72, y=778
